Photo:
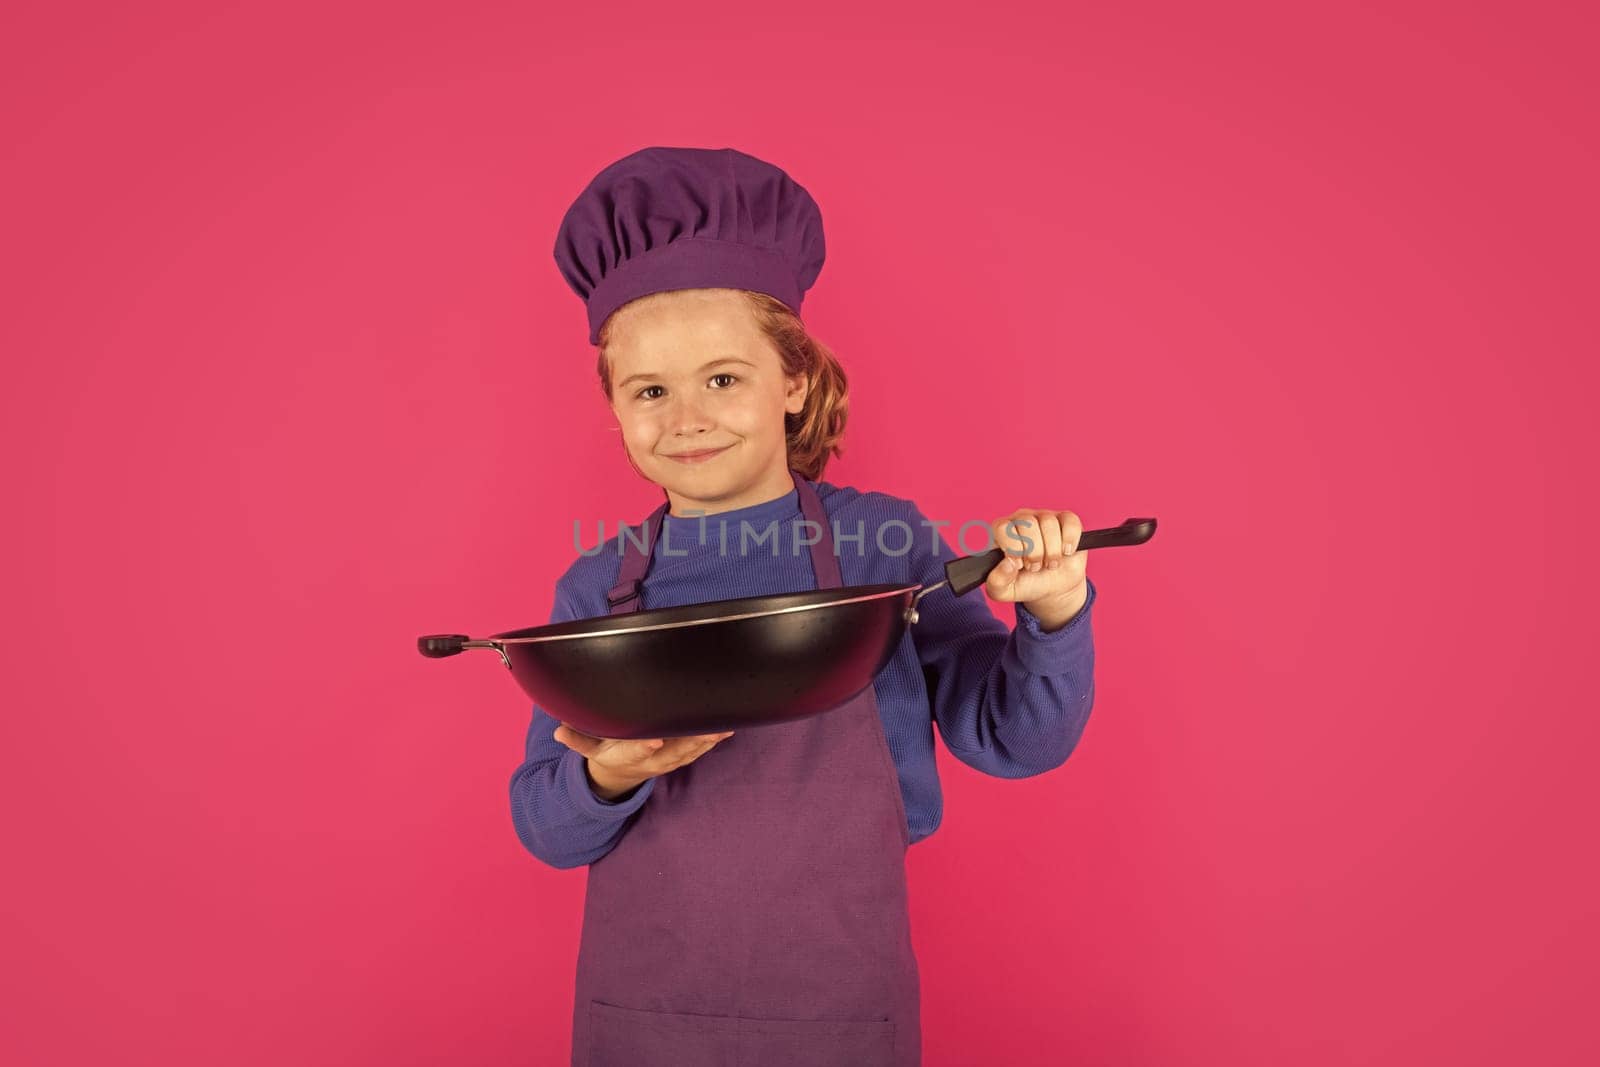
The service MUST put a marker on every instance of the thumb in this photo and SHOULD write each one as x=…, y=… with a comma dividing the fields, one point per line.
x=579, y=742
x=1003, y=578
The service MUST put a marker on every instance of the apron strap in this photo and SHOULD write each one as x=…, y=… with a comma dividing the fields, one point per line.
x=625, y=595
x=823, y=560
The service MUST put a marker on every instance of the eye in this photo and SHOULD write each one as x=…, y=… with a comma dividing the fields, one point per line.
x=642, y=394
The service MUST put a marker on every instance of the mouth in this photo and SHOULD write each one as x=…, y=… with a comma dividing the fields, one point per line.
x=698, y=457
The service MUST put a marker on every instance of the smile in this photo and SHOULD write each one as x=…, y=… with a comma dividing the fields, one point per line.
x=699, y=457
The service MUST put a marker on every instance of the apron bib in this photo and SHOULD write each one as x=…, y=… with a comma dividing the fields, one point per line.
x=754, y=914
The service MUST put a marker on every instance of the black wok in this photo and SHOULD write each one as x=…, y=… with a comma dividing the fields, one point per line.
x=727, y=664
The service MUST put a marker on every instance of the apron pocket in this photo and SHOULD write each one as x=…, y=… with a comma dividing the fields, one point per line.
x=816, y=1044
x=632, y=1037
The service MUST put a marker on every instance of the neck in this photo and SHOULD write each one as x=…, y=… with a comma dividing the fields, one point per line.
x=772, y=485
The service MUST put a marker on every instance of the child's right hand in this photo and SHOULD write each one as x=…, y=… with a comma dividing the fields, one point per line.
x=616, y=767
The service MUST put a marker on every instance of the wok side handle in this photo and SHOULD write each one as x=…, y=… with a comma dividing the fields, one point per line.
x=969, y=572
x=438, y=646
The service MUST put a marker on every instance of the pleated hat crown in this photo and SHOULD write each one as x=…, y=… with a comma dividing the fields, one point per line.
x=689, y=218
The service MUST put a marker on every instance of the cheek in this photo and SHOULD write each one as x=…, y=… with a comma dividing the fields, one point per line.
x=638, y=423
x=635, y=431
x=754, y=414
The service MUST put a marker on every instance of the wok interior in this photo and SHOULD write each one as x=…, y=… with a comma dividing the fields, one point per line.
x=711, y=611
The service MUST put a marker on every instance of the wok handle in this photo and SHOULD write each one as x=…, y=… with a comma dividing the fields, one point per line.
x=969, y=572
x=438, y=646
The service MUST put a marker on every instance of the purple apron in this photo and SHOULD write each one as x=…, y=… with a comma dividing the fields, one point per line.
x=754, y=914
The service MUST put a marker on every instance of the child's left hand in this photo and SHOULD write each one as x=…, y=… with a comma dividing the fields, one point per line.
x=1042, y=568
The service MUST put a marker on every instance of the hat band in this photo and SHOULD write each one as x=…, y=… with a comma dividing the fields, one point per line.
x=693, y=263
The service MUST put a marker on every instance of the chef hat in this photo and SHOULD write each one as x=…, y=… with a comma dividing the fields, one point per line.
x=688, y=218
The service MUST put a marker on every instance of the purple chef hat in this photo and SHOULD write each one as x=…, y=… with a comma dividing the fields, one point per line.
x=688, y=218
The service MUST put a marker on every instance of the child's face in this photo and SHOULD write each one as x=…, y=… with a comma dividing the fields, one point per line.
x=691, y=371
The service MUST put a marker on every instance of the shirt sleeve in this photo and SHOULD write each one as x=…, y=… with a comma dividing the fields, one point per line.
x=557, y=815
x=1011, y=703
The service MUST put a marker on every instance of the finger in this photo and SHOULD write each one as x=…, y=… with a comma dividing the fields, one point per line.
x=1028, y=520
x=1008, y=536
x=1050, y=532
x=677, y=748
x=1011, y=534
x=697, y=740
x=714, y=743
x=1003, y=574
x=1071, y=531
x=689, y=753
x=711, y=742
x=629, y=755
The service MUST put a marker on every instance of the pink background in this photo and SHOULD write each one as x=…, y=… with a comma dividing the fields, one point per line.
x=291, y=379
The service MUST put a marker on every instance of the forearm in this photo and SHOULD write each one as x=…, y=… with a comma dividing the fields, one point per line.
x=1014, y=704
x=1014, y=723
x=559, y=815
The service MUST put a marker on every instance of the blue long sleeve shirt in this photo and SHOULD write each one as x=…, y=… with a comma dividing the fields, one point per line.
x=1010, y=702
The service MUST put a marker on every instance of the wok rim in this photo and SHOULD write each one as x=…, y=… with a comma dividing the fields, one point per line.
x=883, y=593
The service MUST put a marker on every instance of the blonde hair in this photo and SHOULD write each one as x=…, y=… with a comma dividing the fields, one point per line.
x=817, y=430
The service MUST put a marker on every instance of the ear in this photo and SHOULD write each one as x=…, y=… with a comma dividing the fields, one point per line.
x=797, y=388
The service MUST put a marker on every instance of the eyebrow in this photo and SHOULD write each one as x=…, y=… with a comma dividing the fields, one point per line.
x=705, y=367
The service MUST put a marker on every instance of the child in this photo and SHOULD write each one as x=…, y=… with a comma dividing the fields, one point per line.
x=746, y=898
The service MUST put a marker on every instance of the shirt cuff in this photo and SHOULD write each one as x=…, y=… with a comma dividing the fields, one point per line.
x=1058, y=651
x=583, y=795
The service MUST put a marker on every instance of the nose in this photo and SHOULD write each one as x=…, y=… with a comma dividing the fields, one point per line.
x=688, y=417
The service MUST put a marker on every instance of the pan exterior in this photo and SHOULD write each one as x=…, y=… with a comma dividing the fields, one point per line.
x=719, y=674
